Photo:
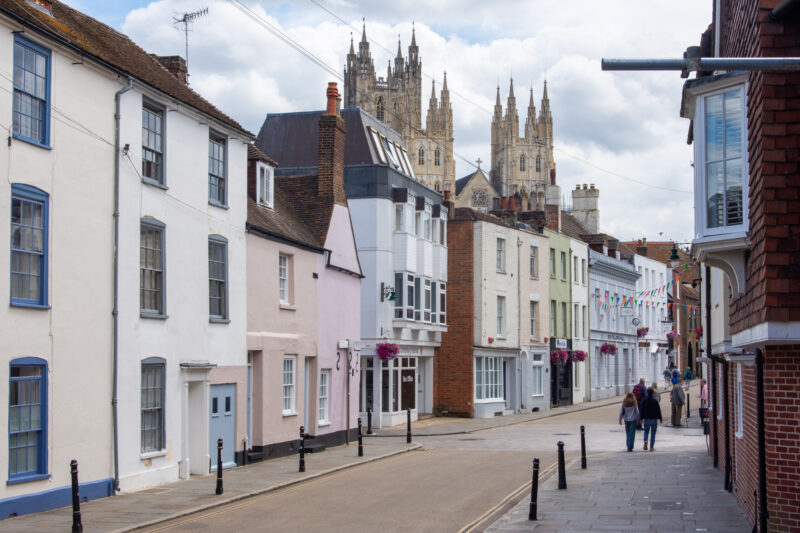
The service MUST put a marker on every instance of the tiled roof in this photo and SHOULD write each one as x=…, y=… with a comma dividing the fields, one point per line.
x=571, y=227
x=467, y=213
x=661, y=250
x=254, y=153
x=113, y=48
x=282, y=221
x=313, y=210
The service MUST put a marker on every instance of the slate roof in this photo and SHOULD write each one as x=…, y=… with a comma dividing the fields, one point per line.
x=462, y=182
x=101, y=42
x=254, y=153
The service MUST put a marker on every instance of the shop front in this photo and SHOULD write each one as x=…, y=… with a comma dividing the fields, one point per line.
x=560, y=374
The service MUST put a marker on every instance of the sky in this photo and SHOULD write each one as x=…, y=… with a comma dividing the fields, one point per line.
x=612, y=129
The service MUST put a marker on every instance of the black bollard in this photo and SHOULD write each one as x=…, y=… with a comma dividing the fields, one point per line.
x=408, y=431
x=77, y=526
x=369, y=421
x=360, y=440
x=534, y=490
x=562, y=472
x=219, y=467
x=302, y=449
x=583, y=448
x=688, y=409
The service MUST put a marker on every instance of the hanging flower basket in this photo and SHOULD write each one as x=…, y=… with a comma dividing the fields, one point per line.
x=577, y=356
x=608, y=348
x=672, y=335
x=387, y=351
x=642, y=332
x=699, y=331
x=558, y=357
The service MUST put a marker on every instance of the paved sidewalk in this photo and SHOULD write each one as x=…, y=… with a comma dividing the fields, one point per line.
x=135, y=510
x=436, y=426
x=673, y=489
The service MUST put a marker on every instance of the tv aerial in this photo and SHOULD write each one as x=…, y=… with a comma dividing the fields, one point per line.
x=186, y=20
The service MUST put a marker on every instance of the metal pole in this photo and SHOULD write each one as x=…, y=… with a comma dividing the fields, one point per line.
x=369, y=421
x=360, y=441
x=408, y=420
x=583, y=448
x=704, y=63
x=688, y=408
x=534, y=490
x=562, y=471
x=219, y=467
x=77, y=526
x=302, y=449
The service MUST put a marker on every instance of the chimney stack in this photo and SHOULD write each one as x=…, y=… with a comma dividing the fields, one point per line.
x=585, y=207
x=641, y=247
x=176, y=66
x=330, y=152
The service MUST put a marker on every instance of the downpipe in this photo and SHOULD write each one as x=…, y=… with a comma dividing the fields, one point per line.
x=763, y=514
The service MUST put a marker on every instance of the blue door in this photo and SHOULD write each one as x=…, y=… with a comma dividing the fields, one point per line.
x=223, y=425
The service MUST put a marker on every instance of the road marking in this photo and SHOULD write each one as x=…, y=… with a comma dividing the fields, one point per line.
x=472, y=525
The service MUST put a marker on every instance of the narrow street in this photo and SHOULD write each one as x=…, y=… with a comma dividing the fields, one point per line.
x=456, y=482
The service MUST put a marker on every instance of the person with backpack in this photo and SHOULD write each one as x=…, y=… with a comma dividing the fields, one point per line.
x=640, y=392
x=651, y=415
x=678, y=398
x=629, y=412
x=688, y=376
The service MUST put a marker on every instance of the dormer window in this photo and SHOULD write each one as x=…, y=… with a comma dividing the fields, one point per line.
x=266, y=184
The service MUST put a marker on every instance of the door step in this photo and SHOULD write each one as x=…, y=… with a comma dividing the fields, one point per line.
x=315, y=447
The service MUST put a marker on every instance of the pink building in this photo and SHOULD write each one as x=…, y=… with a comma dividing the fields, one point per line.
x=303, y=310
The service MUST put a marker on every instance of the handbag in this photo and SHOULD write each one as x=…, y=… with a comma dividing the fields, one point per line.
x=704, y=412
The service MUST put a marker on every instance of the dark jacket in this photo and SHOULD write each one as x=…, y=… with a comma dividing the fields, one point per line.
x=651, y=409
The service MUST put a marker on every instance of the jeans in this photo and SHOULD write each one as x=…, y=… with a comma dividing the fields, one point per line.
x=630, y=432
x=650, y=426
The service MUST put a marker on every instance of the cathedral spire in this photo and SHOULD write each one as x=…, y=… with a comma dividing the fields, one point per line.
x=352, y=50
x=498, y=107
x=545, y=101
x=363, y=46
x=444, y=83
x=511, y=90
x=544, y=93
x=530, y=103
x=413, y=36
x=363, y=30
x=399, y=52
x=433, y=90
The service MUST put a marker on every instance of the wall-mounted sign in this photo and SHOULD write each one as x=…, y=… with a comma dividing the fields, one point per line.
x=561, y=344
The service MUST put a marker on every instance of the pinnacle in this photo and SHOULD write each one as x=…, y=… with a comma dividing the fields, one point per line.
x=511, y=90
x=444, y=83
x=413, y=35
x=363, y=30
x=497, y=103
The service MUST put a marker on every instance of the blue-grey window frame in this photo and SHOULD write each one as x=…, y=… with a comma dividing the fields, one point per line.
x=161, y=364
x=156, y=107
x=218, y=240
x=36, y=47
x=29, y=193
x=155, y=224
x=220, y=139
x=41, y=457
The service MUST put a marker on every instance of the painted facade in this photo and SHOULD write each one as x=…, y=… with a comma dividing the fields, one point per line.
x=579, y=265
x=561, y=322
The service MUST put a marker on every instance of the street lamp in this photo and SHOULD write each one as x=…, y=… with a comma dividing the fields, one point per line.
x=674, y=259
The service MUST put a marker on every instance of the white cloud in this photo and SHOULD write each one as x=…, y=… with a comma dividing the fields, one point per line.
x=626, y=123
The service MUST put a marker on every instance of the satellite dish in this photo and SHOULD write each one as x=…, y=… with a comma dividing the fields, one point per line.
x=636, y=321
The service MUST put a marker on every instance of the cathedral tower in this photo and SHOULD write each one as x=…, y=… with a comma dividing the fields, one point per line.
x=396, y=100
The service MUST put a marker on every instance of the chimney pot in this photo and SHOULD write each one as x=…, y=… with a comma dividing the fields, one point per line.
x=578, y=187
x=446, y=195
x=591, y=185
x=584, y=185
x=333, y=95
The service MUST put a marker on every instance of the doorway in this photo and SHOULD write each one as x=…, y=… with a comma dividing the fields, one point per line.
x=222, y=425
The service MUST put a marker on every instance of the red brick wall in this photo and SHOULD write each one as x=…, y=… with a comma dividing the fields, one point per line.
x=251, y=179
x=331, y=158
x=773, y=116
x=453, y=362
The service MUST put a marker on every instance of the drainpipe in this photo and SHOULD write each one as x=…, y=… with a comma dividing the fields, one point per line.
x=763, y=513
x=713, y=376
x=115, y=311
x=728, y=465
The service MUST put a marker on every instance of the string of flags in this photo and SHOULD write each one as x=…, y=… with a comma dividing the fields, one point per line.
x=645, y=298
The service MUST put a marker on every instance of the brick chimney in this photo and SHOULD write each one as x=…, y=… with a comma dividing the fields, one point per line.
x=330, y=152
x=176, y=66
x=553, y=214
x=641, y=247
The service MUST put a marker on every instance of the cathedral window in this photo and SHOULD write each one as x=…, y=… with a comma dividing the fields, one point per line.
x=436, y=187
x=421, y=156
x=380, y=109
x=538, y=163
x=522, y=163
x=436, y=157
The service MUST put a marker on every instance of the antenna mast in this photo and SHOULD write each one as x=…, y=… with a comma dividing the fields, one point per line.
x=186, y=20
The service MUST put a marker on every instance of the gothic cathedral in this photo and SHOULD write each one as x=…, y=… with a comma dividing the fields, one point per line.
x=396, y=100
x=523, y=165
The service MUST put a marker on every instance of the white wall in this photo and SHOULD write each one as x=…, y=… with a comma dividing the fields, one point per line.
x=580, y=297
x=187, y=335
x=652, y=359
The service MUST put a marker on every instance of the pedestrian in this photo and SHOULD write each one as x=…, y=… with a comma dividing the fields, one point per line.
x=678, y=398
x=667, y=374
x=630, y=413
x=703, y=399
x=656, y=393
x=688, y=376
x=651, y=414
x=676, y=375
x=640, y=392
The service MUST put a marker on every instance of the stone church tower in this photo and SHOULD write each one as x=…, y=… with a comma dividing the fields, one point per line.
x=396, y=100
x=523, y=165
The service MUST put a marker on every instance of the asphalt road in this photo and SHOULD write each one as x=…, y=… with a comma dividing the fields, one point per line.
x=455, y=483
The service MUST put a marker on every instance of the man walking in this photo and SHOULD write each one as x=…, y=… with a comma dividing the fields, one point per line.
x=678, y=398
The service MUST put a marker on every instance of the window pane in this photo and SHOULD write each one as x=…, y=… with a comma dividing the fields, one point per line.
x=733, y=124
x=715, y=194
x=714, y=128
x=733, y=192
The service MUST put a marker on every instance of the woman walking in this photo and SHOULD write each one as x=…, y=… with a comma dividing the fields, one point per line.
x=629, y=411
x=651, y=414
x=656, y=393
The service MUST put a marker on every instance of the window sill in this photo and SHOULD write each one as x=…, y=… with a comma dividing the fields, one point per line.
x=287, y=414
x=490, y=400
x=27, y=478
x=217, y=204
x=219, y=320
x=265, y=205
x=537, y=395
x=152, y=455
x=501, y=272
x=287, y=307
x=323, y=424
x=30, y=305
x=31, y=141
x=154, y=183
x=157, y=316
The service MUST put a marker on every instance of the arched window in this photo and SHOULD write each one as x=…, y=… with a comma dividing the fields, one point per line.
x=436, y=187
x=380, y=109
x=436, y=157
x=538, y=163
x=522, y=163
x=421, y=156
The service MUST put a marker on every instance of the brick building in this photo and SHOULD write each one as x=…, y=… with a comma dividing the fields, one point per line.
x=746, y=133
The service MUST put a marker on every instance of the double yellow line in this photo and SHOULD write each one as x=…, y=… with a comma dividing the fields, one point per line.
x=472, y=526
